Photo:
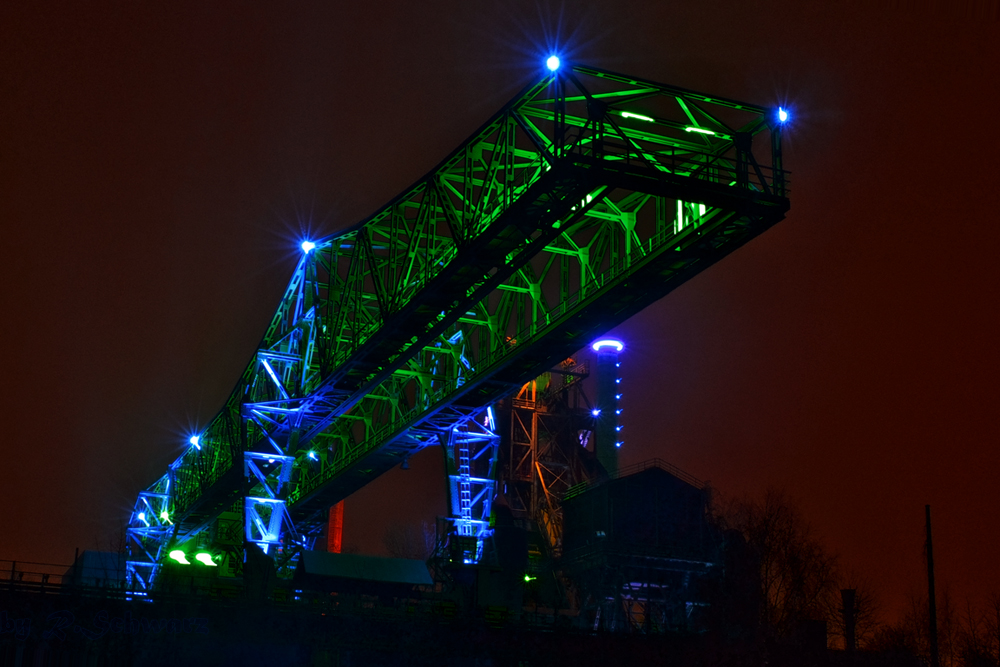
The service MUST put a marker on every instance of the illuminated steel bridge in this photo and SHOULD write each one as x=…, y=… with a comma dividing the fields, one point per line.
x=587, y=198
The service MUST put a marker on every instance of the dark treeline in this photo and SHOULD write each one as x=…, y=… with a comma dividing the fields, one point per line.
x=779, y=578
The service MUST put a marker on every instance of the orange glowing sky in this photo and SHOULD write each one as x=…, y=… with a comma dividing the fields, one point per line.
x=158, y=161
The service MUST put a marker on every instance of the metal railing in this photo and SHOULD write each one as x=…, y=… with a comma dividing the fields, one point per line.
x=42, y=578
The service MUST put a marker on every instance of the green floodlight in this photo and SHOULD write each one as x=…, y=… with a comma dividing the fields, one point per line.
x=179, y=556
x=637, y=116
x=528, y=577
x=699, y=130
x=206, y=559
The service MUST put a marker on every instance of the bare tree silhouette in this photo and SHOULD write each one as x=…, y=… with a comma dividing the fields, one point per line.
x=795, y=576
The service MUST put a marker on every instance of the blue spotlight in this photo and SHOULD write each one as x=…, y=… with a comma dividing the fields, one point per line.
x=608, y=342
x=596, y=412
x=195, y=442
x=782, y=115
x=552, y=63
x=308, y=247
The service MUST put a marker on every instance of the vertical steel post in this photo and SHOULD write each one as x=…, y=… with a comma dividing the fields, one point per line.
x=744, y=143
x=559, y=124
x=778, y=173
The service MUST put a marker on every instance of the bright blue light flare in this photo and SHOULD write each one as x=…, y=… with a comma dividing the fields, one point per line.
x=308, y=247
x=313, y=456
x=608, y=342
x=195, y=441
x=552, y=63
x=782, y=115
x=596, y=412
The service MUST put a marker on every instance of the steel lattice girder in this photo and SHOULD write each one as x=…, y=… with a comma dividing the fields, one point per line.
x=585, y=199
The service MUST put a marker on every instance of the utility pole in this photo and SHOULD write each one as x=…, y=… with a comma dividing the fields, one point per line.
x=931, y=602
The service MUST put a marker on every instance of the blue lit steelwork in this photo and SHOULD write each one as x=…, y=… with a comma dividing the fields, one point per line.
x=264, y=507
x=471, y=455
x=148, y=533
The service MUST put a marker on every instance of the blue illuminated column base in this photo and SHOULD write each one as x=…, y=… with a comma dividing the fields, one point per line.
x=149, y=530
x=140, y=576
x=471, y=455
x=264, y=511
x=264, y=517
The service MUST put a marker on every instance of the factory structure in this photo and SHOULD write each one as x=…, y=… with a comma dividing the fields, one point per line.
x=572, y=548
x=543, y=523
x=615, y=549
x=454, y=317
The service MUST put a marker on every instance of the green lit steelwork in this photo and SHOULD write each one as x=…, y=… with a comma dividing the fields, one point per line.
x=637, y=116
x=563, y=215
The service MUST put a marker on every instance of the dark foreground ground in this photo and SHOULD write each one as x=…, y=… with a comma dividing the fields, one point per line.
x=69, y=629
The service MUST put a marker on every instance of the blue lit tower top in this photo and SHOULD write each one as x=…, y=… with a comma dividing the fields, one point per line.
x=607, y=431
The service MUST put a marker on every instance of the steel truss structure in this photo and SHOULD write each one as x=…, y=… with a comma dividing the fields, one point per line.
x=588, y=197
x=550, y=424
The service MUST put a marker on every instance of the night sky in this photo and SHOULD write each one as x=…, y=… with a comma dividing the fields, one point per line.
x=158, y=164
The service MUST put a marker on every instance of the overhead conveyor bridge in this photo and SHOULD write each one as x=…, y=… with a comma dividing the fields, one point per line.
x=587, y=198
